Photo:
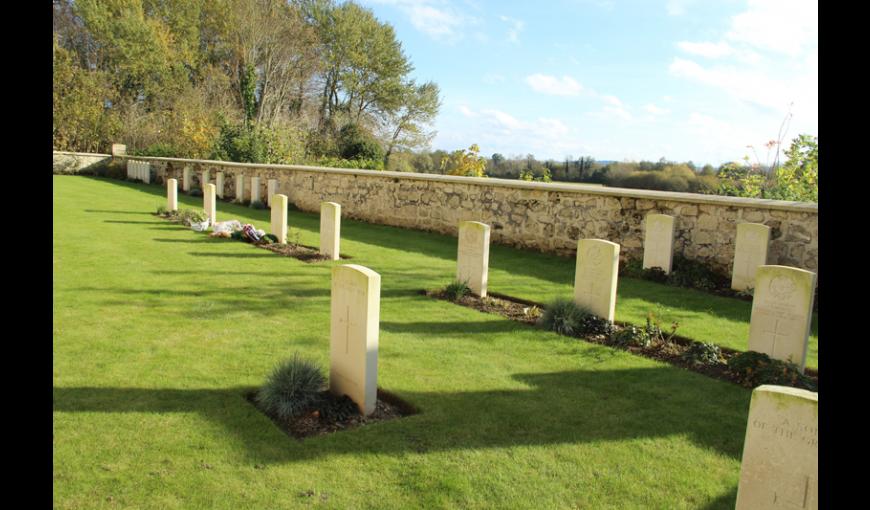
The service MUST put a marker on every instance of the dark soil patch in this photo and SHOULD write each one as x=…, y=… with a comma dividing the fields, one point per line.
x=333, y=414
x=297, y=251
x=672, y=351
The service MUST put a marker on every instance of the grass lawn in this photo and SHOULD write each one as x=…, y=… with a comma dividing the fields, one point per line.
x=158, y=332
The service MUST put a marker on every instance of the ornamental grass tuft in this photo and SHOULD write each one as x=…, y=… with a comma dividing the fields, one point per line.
x=292, y=388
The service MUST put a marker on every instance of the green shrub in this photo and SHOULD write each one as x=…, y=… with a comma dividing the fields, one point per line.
x=270, y=238
x=292, y=388
x=594, y=325
x=632, y=336
x=696, y=275
x=563, y=316
x=163, y=211
x=354, y=142
x=756, y=368
x=188, y=216
x=258, y=204
x=159, y=150
x=703, y=354
x=456, y=290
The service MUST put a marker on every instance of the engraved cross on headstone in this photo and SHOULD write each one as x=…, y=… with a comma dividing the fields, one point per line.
x=775, y=332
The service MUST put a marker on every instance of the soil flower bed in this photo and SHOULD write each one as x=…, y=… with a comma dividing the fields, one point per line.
x=672, y=351
x=333, y=414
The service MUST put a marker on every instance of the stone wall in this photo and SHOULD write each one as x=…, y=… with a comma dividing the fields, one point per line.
x=549, y=217
x=78, y=162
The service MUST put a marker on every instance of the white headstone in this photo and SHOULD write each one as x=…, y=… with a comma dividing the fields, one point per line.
x=240, y=188
x=208, y=200
x=271, y=189
x=750, y=251
x=146, y=172
x=355, y=321
x=172, y=194
x=255, y=189
x=279, y=217
x=330, y=229
x=472, y=261
x=204, y=178
x=595, y=276
x=780, y=466
x=130, y=165
x=185, y=179
x=658, y=242
x=782, y=311
x=219, y=184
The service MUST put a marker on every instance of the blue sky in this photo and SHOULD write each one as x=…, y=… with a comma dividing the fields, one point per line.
x=692, y=80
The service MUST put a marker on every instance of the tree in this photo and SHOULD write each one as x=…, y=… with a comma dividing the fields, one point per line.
x=465, y=162
x=418, y=107
x=798, y=178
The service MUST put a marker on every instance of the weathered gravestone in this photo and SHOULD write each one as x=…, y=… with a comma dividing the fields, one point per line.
x=240, y=188
x=750, y=251
x=782, y=310
x=208, y=200
x=271, y=189
x=353, y=348
x=219, y=184
x=595, y=276
x=185, y=179
x=658, y=242
x=255, y=189
x=330, y=229
x=780, y=466
x=472, y=260
x=279, y=217
x=172, y=194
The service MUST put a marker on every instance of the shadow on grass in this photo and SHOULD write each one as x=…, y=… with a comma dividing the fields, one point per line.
x=452, y=327
x=132, y=222
x=724, y=502
x=115, y=212
x=560, y=408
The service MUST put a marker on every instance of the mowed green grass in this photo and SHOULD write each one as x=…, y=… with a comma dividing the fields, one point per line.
x=159, y=331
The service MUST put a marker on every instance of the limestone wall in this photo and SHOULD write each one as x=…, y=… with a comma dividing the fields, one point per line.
x=77, y=162
x=548, y=217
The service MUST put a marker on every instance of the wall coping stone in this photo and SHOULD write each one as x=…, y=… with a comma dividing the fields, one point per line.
x=86, y=154
x=695, y=198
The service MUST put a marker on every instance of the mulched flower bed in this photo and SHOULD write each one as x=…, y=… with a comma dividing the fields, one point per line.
x=670, y=352
x=333, y=414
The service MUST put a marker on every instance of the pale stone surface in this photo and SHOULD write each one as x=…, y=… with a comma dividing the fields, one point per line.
x=354, y=325
x=255, y=189
x=172, y=194
x=185, y=179
x=330, y=229
x=279, y=217
x=130, y=165
x=146, y=172
x=271, y=189
x=240, y=188
x=780, y=466
x=782, y=310
x=119, y=149
x=750, y=251
x=472, y=261
x=595, y=276
x=203, y=178
x=219, y=184
x=658, y=242
x=209, y=203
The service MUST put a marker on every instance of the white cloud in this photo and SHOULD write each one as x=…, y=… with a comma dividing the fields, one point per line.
x=781, y=26
x=677, y=7
x=468, y=112
x=706, y=49
x=499, y=131
x=434, y=18
x=516, y=26
x=655, y=110
x=565, y=86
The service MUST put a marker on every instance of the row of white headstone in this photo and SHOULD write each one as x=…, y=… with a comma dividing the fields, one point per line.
x=253, y=185
x=781, y=307
x=750, y=248
x=139, y=170
x=779, y=467
x=330, y=216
